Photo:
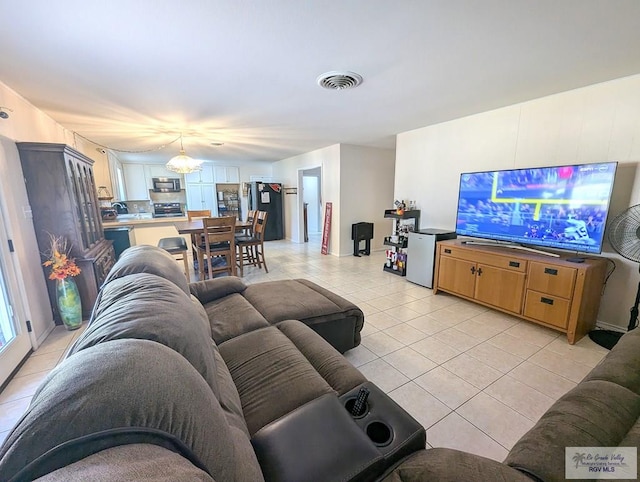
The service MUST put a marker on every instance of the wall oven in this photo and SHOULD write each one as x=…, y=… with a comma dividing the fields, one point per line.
x=166, y=184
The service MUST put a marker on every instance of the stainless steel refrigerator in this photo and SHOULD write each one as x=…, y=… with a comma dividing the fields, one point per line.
x=268, y=196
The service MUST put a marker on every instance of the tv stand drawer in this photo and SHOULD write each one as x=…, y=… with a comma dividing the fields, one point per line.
x=547, y=308
x=551, y=278
x=485, y=256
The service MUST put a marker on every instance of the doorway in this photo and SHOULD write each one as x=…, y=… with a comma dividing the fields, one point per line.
x=312, y=201
x=15, y=343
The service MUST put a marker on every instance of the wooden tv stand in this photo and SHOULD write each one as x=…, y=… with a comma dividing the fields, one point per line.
x=551, y=292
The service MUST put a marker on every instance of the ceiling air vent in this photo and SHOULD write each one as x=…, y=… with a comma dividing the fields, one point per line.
x=339, y=80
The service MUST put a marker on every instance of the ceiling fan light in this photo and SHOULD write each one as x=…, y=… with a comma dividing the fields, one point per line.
x=183, y=164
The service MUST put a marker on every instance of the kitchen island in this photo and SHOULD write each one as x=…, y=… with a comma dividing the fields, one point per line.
x=147, y=229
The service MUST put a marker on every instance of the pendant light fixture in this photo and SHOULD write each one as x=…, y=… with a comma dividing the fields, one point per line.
x=183, y=164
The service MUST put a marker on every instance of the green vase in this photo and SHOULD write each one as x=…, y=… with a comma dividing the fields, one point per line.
x=69, y=305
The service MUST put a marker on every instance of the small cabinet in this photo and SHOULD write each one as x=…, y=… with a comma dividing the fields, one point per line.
x=227, y=174
x=479, y=281
x=553, y=292
x=205, y=175
x=136, y=182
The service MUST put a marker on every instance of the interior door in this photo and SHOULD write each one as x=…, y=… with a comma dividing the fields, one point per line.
x=14, y=339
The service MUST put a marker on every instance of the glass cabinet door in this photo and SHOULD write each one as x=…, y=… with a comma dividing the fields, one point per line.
x=84, y=192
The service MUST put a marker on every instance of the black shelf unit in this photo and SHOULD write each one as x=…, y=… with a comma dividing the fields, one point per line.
x=395, y=271
x=401, y=245
x=414, y=214
x=387, y=242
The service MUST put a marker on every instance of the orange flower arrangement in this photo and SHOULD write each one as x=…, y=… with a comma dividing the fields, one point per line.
x=62, y=265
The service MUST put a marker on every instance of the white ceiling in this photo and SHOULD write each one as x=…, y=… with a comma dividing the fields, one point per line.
x=134, y=74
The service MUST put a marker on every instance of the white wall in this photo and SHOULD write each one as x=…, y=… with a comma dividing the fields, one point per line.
x=366, y=191
x=595, y=123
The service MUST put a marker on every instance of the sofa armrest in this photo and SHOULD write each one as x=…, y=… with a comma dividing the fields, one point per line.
x=317, y=441
x=449, y=465
x=216, y=288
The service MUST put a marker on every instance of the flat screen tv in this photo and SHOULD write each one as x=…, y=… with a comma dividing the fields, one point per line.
x=560, y=207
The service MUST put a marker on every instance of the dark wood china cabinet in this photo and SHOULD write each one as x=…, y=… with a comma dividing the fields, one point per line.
x=64, y=202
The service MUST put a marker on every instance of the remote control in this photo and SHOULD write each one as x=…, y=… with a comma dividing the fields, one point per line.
x=361, y=400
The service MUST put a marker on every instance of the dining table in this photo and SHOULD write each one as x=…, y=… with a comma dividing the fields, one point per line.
x=196, y=226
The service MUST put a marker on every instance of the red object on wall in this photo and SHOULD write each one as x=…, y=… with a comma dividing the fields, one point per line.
x=326, y=231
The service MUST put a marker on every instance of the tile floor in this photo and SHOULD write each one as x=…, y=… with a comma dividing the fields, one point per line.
x=475, y=378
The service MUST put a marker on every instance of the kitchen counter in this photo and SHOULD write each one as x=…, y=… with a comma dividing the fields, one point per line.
x=131, y=220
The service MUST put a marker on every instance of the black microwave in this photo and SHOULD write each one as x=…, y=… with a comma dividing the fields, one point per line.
x=166, y=184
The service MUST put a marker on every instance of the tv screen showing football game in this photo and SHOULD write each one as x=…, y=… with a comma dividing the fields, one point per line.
x=561, y=207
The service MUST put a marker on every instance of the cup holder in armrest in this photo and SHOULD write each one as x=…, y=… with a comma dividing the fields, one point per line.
x=349, y=406
x=390, y=428
x=380, y=433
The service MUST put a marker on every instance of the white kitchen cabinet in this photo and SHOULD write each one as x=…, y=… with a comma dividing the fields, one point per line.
x=201, y=196
x=203, y=176
x=135, y=181
x=227, y=174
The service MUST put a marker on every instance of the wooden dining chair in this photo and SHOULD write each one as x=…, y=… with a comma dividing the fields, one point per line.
x=195, y=240
x=194, y=214
x=251, y=218
x=219, y=241
x=251, y=248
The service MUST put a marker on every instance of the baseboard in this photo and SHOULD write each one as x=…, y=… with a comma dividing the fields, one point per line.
x=608, y=326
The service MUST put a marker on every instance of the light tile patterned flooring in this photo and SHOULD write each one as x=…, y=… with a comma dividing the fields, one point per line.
x=475, y=378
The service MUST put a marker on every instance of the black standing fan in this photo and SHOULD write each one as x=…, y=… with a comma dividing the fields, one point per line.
x=624, y=237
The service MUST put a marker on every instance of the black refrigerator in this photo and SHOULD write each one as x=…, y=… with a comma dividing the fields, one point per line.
x=268, y=196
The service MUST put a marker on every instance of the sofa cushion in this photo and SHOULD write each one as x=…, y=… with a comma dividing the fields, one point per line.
x=272, y=376
x=229, y=397
x=296, y=300
x=329, y=363
x=213, y=289
x=148, y=259
x=232, y=316
x=148, y=307
x=596, y=413
x=130, y=462
x=115, y=386
x=334, y=318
